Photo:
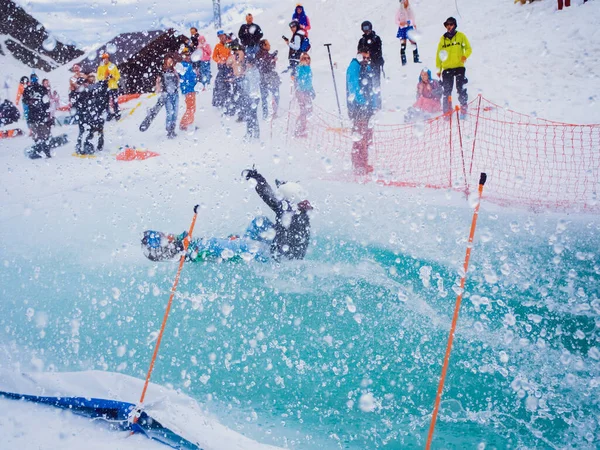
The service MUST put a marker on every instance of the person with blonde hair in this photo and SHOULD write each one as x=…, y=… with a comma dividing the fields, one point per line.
x=405, y=19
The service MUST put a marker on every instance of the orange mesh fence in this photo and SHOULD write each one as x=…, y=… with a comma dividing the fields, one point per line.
x=530, y=162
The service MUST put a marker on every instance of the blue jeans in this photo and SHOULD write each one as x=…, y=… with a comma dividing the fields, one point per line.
x=171, y=105
x=205, y=74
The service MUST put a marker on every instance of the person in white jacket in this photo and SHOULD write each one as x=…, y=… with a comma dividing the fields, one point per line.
x=251, y=85
x=405, y=19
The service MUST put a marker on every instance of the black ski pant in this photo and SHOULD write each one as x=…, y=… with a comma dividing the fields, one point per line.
x=86, y=134
x=113, y=99
x=448, y=76
x=40, y=132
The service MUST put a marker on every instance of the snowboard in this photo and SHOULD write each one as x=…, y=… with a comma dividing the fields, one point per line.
x=152, y=113
x=11, y=133
x=36, y=151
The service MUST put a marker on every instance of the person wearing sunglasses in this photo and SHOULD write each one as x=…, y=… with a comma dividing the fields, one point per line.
x=452, y=53
x=372, y=42
x=295, y=45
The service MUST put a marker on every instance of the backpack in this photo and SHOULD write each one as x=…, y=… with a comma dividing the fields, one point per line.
x=305, y=44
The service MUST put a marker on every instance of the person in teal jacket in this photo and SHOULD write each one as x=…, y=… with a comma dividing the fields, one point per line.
x=304, y=94
x=187, y=83
x=362, y=104
x=452, y=53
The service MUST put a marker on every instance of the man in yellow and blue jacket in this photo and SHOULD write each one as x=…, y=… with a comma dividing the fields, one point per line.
x=107, y=71
x=452, y=52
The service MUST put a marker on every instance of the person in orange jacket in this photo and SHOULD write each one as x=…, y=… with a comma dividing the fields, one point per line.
x=109, y=71
x=23, y=83
x=224, y=78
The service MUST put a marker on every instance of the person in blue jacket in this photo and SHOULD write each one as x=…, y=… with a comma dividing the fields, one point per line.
x=362, y=103
x=187, y=84
x=305, y=94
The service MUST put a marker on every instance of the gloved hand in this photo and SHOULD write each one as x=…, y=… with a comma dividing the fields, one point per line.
x=251, y=173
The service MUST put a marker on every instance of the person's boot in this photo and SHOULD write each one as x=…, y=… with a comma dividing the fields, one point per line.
x=416, y=55
x=403, y=54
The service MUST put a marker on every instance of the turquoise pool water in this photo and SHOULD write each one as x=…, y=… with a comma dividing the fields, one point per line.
x=344, y=349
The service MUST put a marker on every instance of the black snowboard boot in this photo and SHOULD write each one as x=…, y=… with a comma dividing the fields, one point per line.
x=403, y=53
x=416, y=55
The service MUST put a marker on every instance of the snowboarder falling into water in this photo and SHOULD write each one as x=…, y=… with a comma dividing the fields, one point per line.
x=286, y=239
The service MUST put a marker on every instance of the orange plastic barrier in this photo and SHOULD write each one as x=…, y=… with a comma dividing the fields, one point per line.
x=126, y=97
x=531, y=162
x=132, y=154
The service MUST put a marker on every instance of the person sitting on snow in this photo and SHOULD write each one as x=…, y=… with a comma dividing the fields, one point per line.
x=429, y=96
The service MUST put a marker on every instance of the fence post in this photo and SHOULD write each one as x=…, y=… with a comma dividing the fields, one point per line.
x=462, y=153
x=450, y=123
x=475, y=134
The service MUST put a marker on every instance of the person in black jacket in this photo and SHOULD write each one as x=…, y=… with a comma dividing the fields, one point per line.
x=250, y=35
x=37, y=99
x=292, y=224
x=90, y=104
x=269, y=78
x=372, y=42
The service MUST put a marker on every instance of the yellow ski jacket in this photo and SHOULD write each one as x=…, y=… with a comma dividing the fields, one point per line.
x=455, y=49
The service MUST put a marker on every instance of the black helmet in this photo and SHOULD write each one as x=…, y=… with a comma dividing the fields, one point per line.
x=366, y=26
x=450, y=21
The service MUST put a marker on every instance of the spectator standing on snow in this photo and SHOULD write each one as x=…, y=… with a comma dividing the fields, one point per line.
x=54, y=98
x=295, y=45
x=167, y=83
x=301, y=17
x=23, y=83
x=237, y=62
x=36, y=98
x=75, y=81
x=269, y=78
x=187, y=84
x=362, y=103
x=107, y=71
x=452, y=53
x=90, y=105
x=194, y=38
x=304, y=94
x=251, y=98
x=405, y=19
x=372, y=42
x=250, y=35
x=224, y=78
x=567, y=3
x=204, y=63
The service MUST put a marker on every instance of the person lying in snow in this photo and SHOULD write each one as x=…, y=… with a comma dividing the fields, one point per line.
x=287, y=238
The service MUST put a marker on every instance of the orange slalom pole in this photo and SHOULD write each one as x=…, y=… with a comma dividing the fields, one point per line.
x=438, y=395
x=186, y=243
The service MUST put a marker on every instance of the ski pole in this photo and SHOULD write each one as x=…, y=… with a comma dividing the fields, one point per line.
x=186, y=243
x=334, y=84
x=438, y=395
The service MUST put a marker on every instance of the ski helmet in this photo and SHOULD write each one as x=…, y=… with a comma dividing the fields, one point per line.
x=366, y=26
x=292, y=192
x=450, y=21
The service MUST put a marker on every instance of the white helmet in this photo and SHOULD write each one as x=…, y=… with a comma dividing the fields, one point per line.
x=292, y=192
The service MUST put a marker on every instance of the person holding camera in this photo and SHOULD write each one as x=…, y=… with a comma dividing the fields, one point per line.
x=108, y=71
x=269, y=78
x=295, y=45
